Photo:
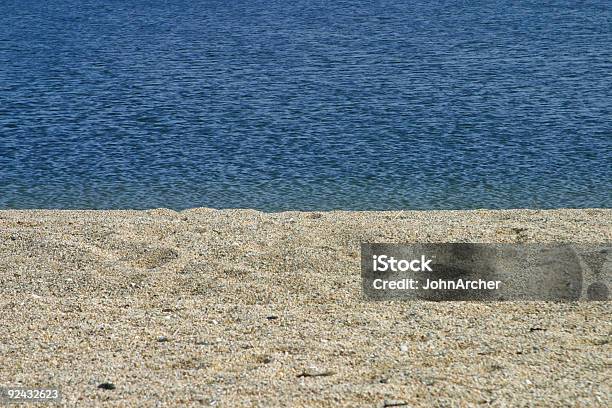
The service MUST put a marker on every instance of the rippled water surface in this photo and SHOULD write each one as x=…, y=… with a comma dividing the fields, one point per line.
x=305, y=104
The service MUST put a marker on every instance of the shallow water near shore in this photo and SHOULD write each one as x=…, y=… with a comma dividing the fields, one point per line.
x=305, y=105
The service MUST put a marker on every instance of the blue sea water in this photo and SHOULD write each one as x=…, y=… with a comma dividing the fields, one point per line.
x=305, y=104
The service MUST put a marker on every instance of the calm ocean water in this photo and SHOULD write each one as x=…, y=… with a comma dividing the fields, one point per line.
x=305, y=104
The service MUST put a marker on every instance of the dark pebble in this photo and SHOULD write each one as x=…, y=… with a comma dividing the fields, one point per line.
x=107, y=386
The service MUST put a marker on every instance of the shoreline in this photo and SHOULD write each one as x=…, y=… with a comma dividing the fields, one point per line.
x=201, y=209
x=210, y=307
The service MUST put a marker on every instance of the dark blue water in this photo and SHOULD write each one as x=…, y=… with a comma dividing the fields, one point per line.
x=305, y=104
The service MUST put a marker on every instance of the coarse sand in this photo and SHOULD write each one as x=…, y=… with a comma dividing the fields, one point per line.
x=239, y=308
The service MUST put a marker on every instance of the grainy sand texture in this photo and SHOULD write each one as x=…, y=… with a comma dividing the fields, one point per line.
x=238, y=308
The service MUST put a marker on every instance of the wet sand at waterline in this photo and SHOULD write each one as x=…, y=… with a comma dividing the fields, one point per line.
x=242, y=308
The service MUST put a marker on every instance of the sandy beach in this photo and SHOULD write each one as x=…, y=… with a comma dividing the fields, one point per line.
x=234, y=308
